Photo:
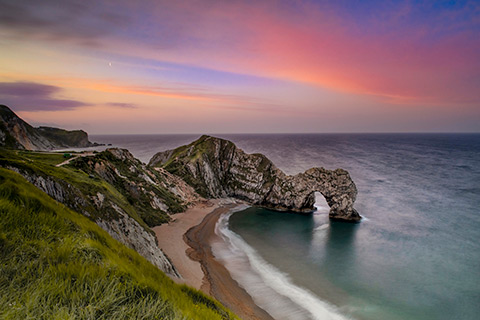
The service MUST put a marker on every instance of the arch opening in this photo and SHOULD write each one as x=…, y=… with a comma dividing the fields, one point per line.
x=321, y=205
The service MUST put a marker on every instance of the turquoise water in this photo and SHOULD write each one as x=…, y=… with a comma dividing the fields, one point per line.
x=417, y=253
x=415, y=256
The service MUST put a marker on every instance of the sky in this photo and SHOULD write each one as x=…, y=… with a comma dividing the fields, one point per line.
x=212, y=66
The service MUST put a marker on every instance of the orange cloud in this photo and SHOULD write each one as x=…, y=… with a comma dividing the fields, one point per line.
x=393, y=63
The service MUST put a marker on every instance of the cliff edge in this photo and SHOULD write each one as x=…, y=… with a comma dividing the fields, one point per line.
x=216, y=168
x=15, y=133
x=114, y=190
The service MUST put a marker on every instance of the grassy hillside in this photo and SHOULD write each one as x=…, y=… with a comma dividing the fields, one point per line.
x=121, y=183
x=57, y=264
x=62, y=137
x=131, y=178
x=33, y=163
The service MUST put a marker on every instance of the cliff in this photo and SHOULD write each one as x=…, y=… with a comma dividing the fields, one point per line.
x=57, y=264
x=217, y=168
x=113, y=189
x=17, y=134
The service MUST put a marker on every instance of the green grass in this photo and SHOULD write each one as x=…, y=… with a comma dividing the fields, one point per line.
x=57, y=264
x=64, y=137
x=51, y=158
x=152, y=217
x=194, y=153
x=87, y=186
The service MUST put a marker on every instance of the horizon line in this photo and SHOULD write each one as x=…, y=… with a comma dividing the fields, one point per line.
x=282, y=133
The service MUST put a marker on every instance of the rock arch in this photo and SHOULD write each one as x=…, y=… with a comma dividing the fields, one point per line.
x=216, y=168
x=297, y=193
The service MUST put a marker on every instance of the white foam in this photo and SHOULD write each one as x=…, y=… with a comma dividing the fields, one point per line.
x=322, y=208
x=270, y=288
x=322, y=227
x=321, y=204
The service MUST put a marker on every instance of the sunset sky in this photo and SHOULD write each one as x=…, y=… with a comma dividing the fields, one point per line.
x=242, y=66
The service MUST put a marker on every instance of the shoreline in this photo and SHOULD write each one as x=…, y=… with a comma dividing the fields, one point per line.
x=170, y=241
x=187, y=242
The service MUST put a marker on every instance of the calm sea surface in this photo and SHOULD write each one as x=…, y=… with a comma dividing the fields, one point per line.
x=416, y=255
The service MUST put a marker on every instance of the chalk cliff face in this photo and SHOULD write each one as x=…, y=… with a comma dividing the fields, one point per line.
x=118, y=192
x=217, y=168
x=122, y=227
x=154, y=194
x=17, y=134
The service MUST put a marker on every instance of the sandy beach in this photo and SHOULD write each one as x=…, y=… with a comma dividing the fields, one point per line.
x=187, y=242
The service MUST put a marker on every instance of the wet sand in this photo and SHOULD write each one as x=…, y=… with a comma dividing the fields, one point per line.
x=195, y=262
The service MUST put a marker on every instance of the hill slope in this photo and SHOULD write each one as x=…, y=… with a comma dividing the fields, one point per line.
x=18, y=134
x=56, y=263
x=111, y=188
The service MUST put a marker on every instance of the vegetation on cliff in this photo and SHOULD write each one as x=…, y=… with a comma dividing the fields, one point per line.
x=67, y=138
x=56, y=263
x=111, y=188
x=18, y=134
x=181, y=160
x=125, y=183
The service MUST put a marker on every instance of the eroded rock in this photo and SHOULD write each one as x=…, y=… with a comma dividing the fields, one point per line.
x=216, y=168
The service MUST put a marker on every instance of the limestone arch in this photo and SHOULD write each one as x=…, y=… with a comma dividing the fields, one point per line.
x=337, y=188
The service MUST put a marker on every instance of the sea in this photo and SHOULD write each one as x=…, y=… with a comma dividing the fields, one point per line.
x=414, y=255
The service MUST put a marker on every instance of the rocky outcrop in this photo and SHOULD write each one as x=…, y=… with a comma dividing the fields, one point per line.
x=132, y=234
x=297, y=193
x=117, y=191
x=66, y=138
x=216, y=168
x=58, y=189
x=18, y=134
x=154, y=194
x=121, y=226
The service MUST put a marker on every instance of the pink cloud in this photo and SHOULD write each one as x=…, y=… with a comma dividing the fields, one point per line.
x=431, y=62
x=404, y=64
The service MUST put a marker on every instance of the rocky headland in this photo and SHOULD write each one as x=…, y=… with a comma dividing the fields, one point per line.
x=216, y=168
x=213, y=167
x=15, y=133
x=128, y=198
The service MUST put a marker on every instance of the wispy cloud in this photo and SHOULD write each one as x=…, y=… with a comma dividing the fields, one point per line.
x=375, y=48
x=30, y=89
x=122, y=105
x=31, y=96
x=180, y=91
x=82, y=22
x=203, y=56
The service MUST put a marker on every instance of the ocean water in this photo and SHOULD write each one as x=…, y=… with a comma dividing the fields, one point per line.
x=415, y=255
x=144, y=146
